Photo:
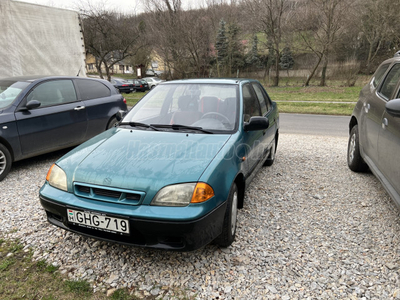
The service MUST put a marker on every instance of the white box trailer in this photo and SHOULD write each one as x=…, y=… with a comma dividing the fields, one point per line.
x=40, y=40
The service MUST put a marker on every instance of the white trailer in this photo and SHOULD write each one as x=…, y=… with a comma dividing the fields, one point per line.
x=40, y=40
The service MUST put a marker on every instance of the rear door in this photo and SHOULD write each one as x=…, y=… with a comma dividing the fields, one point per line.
x=388, y=148
x=59, y=122
x=99, y=102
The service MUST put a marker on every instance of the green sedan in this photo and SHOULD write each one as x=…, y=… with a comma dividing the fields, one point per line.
x=172, y=173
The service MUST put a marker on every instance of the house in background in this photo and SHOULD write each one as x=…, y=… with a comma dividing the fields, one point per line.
x=122, y=67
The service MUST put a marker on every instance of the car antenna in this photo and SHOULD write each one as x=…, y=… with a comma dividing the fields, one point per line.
x=79, y=71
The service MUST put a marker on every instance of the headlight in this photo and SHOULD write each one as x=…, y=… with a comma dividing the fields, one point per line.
x=57, y=178
x=183, y=194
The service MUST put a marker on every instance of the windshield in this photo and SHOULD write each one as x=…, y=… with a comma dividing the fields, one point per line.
x=206, y=106
x=9, y=91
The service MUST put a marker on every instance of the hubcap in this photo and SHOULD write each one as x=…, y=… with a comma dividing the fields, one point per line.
x=2, y=162
x=234, y=213
x=352, y=147
x=272, y=154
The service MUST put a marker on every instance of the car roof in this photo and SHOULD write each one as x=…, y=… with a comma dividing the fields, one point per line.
x=33, y=78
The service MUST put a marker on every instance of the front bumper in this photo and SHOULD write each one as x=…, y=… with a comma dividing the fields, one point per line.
x=164, y=234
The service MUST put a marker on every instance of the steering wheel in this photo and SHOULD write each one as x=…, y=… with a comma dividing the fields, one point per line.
x=221, y=116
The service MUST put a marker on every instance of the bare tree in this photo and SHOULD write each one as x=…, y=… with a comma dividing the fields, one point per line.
x=181, y=38
x=319, y=27
x=272, y=17
x=110, y=37
x=378, y=22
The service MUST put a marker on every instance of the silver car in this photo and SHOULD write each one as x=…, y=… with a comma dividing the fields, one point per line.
x=374, y=127
x=153, y=81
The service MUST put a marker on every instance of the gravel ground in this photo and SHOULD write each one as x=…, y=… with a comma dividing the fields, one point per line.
x=310, y=229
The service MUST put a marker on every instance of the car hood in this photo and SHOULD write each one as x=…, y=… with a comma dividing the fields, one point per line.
x=141, y=160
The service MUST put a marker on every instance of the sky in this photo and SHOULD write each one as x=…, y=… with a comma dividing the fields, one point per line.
x=129, y=6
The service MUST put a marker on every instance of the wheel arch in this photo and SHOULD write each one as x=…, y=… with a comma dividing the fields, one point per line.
x=8, y=146
x=241, y=185
x=352, y=123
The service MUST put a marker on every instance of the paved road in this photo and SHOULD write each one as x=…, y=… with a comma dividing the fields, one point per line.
x=314, y=124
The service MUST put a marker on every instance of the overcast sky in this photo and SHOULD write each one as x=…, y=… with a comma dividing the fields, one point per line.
x=129, y=6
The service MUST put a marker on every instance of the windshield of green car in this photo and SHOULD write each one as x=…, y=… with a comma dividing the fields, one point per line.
x=9, y=91
x=212, y=107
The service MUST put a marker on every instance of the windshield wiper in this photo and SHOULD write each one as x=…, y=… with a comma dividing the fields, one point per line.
x=179, y=126
x=137, y=124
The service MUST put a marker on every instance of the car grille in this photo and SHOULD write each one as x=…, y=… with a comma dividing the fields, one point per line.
x=108, y=194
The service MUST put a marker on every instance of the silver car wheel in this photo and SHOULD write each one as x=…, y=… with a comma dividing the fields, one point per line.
x=3, y=162
x=234, y=212
x=352, y=147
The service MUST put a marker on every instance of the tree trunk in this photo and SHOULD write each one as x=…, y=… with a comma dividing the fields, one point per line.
x=307, y=83
x=276, y=79
x=324, y=68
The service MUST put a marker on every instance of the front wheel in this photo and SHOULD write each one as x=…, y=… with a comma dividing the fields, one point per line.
x=5, y=162
x=354, y=160
x=227, y=236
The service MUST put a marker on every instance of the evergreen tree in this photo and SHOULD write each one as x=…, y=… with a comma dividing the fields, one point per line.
x=286, y=61
x=235, y=53
x=222, y=43
x=253, y=59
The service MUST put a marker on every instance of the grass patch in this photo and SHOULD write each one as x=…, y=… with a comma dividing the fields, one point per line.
x=79, y=288
x=341, y=109
x=133, y=98
x=325, y=94
x=22, y=278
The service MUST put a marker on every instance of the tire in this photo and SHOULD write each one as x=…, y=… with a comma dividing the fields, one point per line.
x=271, y=157
x=354, y=160
x=227, y=236
x=112, y=122
x=152, y=87
x=5, y=161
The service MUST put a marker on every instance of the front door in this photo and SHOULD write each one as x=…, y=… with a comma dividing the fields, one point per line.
x=59, y=122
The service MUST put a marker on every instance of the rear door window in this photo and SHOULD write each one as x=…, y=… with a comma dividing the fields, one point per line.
x=262, y=98
x=378, y=76
x=92, y=89
x=390, y=82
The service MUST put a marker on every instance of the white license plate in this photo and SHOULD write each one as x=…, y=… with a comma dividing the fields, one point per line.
x=98, y=221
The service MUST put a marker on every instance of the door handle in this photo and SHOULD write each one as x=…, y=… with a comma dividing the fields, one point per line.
x=385, y=123
x=79, y=107
x=366, y=107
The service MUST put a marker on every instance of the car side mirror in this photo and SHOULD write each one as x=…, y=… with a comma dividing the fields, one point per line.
x=32, y=104
x=256, y=123
x=393, y=108
x=120, y=115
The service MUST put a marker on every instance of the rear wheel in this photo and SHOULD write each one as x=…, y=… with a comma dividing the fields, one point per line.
x=5, y=161
x=227, y=236
x=354, y=160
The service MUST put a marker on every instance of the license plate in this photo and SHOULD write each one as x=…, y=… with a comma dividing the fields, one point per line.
x=131, y=89
x=98, y=221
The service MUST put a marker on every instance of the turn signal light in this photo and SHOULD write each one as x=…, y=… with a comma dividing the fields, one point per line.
x=49, y=172
x=202, y=192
